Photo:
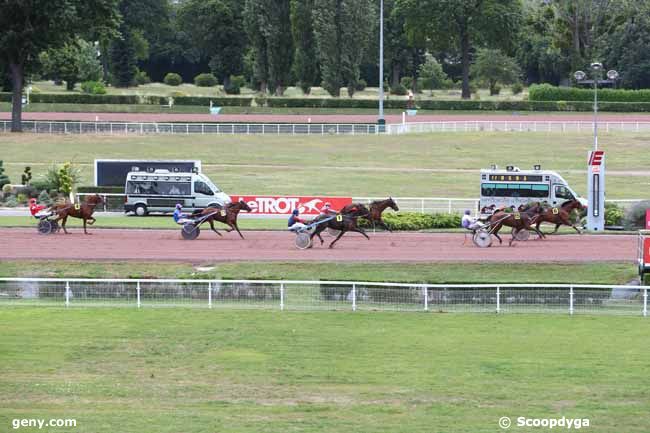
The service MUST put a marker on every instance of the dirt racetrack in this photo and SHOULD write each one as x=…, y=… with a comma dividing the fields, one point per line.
x=167, y=245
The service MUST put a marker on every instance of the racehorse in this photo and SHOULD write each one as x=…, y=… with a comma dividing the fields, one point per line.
x=83, y=211
x=227, y=215
x=523, y=220
x=560, y=216
x=376, y=208
x=342, y=221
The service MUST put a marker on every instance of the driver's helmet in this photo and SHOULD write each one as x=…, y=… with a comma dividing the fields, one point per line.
x=295, y=212
x=32, y=201
x=468, y=212
x=179, y=206
x=328, y=204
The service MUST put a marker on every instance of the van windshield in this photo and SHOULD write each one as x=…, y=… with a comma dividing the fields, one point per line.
x=212, y=186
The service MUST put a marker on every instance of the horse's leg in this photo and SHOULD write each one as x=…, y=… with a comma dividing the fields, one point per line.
x=212, y=227
x=85, y=231
x=383, y=224
x=495, y=232
x=540, y=235
x=319, y=228
x=359, y=230
x=557, y=227
x=565, y=221
x=337, y=238
x=63, y=221
x=234, y=225
x=91, y=222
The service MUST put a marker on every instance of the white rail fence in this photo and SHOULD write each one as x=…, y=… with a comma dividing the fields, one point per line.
x=141, y=128
x=515, y=126
x=115, y=202
x=326, y=295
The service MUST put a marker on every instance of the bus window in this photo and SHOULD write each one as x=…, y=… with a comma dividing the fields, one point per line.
x=487, y=189
x=202, y=188
x=562, y=191
x=177, y=188
x=142, y=187
x=540, y=191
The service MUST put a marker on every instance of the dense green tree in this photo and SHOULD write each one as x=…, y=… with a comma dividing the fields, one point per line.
x=216, y=29
x=253, y=23
x=463, y=24
x=74, y=62
x=28, y=28
x=342, y=30
x=492, y=67
x=123, y=58
x=305, y=62
x=430, y=74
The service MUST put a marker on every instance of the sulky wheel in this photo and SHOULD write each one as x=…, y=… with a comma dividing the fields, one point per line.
x=46, y=227
x=521, y=235
x=190, y=231
x=303, y=241
x=482, y=239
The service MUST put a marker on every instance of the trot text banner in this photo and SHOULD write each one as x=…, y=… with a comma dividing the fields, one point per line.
x=284, y=205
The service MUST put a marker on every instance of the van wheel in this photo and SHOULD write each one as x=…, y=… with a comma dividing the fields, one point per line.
x=141, y=210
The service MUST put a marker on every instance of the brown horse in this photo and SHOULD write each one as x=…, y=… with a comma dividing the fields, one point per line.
x=376, y=208
x=343, y=222
x=83, y=211
x=227, y=215
x=560, y=216
x=524, y=220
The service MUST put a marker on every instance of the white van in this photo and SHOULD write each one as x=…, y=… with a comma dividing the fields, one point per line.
x=161, y=190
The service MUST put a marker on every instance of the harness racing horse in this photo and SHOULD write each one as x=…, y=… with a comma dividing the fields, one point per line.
x=83, y=211
x=376, y=208
x=560, y=216
x=343, y=222
x=227, y=215
x=524, y=220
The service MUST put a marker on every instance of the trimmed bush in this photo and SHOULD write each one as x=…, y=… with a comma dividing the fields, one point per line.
x=141, y=78
x=546, y=92
x=205, y=80
x=613, y=214
x=517, y=88
x=635, y=217
x=93, y=87
x=398, y=90
x=173, y=79
x=11, y=201
x=361, y=85
x=417, y=221
x=235, y=85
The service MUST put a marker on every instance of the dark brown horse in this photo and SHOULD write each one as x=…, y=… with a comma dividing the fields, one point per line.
x=376, y=208
x=343, y=222
x=226, y=215
x=560, y=215
x=83, y=211
x=524, y=220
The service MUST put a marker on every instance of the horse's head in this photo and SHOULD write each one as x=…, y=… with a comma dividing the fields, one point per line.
x=244, y=206
x=392, y=204
x=572, y=204
x=95, y=199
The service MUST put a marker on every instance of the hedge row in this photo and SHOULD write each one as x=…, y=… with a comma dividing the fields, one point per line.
x=101, y=189
x=417, y=221
x=546, y=92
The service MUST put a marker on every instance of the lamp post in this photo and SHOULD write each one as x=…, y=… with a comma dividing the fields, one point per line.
x=596, y=158
x=381, y=121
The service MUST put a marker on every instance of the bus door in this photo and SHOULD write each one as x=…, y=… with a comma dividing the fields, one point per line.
x=561, y=194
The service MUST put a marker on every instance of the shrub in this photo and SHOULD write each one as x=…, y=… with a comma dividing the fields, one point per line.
x=407, y=82
x=11, y=201
x=141, y=78
x=417, y=221
x=60, y=178
x=26, y=177
x=361, y=85
x=613, y=214
x=177, y=94
x=546, y=92
x=93, y=87
x=44, y=198
x=173, y=79
x=495, y=90
x=635, y=216
x=205, y=80
x=235, y=85
x=4, y=179
x=21, y=198
x=517, y=88
x=6, y=189
x=398, y=90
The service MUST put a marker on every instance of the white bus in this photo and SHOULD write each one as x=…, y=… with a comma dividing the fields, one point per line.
x=161, y=190
x=514, y=187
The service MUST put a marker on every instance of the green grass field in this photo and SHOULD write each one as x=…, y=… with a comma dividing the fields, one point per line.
x=174, y=370
x=411, y=165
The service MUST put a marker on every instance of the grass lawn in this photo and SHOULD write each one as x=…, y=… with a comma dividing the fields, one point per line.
x=177, y=370
x=411, y=165
x=434, y=273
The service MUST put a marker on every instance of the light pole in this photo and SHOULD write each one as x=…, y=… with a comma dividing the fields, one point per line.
x=381, y=121
x=596, y=158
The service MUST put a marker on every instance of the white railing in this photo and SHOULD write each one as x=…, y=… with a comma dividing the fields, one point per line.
x=514, y=126
x=141, y=128
x=326, y=295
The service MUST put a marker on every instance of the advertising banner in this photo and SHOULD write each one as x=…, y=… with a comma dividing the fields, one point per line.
x=284, y=205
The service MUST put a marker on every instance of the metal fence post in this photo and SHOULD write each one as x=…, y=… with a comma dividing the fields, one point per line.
x=67, y=293
x=426, y=298
x=210, y=294
x=354, y=297
x=282, y=296
x=498, y=299
x=571, y=300
x=645, y=302
x=137, y=289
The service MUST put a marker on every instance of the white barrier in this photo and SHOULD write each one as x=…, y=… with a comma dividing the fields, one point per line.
x=326, y=295
x=515, y=126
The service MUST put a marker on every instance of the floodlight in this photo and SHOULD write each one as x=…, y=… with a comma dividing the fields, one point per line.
x=596, y=66
x=580, y=75
x=612, y=75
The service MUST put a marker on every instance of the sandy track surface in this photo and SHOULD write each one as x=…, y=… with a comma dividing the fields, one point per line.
x=320, y=118
x=167, y=245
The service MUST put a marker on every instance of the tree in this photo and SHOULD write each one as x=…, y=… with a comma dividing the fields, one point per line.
x=74, y=62
x=216, y=29
x=30, y=27
x=493, y=67
x=122, y=55
x=4, y=179
x=342, y=29
x=305, y=63
x=461, y=24
x=431, y=75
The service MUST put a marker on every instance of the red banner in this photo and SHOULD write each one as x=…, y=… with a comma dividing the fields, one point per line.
x=284, y=205
x=647, y=219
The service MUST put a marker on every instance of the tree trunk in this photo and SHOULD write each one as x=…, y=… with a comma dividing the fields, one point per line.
x=279, y=89
x=17, y=72
x=464, y=46
x=69, y=85
x=263, y=86
x=395, y=75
